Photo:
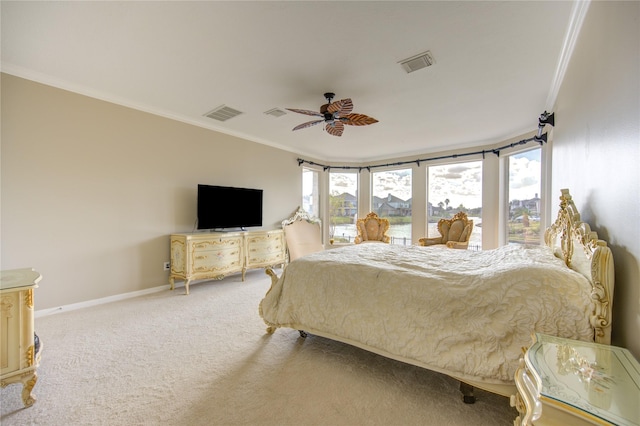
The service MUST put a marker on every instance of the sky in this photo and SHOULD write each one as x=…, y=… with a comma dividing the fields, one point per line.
x=460, y=183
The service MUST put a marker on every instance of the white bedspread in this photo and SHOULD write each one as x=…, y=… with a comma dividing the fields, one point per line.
x=455, y=311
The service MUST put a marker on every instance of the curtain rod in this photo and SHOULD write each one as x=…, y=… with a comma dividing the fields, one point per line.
x=540, y=139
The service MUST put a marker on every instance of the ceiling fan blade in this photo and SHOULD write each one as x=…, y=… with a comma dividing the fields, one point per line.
x=307, y=124
x=342, y=108
x=358, y=120
x=335, y=128
x=306, y=112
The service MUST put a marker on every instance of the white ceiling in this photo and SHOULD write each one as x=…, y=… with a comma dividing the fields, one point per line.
x=495, y=65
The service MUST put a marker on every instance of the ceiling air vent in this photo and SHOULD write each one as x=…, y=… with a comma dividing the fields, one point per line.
x=223, y=113
x=417, y=62
x=276, y=112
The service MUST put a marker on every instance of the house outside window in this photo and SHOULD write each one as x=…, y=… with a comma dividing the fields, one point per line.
x=343, y=206
x=524, y=192
x=391, y=199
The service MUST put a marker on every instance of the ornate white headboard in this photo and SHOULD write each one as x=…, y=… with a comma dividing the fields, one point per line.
x=579, y=246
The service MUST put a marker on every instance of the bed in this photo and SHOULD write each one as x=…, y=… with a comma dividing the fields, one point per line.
x=462, y=313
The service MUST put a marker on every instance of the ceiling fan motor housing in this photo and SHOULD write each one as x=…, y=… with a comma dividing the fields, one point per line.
x=323, y=109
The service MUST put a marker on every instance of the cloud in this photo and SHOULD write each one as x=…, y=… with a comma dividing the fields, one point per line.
x=460, y=168
x=524, y=175
x=450, y=176
x=460, y=183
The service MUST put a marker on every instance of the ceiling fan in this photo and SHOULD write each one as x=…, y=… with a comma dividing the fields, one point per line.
x=336, y=115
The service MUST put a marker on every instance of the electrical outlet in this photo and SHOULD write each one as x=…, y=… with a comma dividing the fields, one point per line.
x=167, y=266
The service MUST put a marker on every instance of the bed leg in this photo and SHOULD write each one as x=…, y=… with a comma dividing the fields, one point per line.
x=467, y=393
x=303, y=334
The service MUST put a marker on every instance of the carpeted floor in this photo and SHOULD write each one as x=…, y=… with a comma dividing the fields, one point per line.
x=205, y=359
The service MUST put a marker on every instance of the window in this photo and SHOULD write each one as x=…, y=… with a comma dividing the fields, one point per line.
x=453, y=188
x=310, y=191
x=391, y=199
x=343, y=206
x=524, y=191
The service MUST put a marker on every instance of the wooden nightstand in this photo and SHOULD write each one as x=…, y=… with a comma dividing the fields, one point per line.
x=562, y=382
x=19, y=350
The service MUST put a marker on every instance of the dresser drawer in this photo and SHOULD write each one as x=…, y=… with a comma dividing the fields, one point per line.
x=215, y=243
x=265, y=249
x=221, y=260
x=268, y=247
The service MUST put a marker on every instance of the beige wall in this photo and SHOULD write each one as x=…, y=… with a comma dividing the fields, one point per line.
x=91, y=190
x=596, y=148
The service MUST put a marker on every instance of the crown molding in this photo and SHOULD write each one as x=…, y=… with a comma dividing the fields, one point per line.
x=578, y=13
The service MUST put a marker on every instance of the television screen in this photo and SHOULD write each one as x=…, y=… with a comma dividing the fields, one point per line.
x=227, y=207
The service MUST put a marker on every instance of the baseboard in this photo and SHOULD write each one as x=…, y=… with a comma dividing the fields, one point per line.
x=94, y=302
x=123, y=296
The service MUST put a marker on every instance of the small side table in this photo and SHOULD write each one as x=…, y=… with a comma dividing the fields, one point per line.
x=19, y=351
x=563, y=381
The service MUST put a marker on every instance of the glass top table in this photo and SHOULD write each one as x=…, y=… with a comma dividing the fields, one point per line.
x=594, y=381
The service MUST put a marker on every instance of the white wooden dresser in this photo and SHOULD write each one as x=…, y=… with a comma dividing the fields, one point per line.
x=214, y=255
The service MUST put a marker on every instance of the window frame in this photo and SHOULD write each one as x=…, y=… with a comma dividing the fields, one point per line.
x=371, y=207
x=545, y=170
x=451, y=162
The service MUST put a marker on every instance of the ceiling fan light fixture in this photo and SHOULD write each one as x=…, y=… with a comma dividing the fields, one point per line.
x=417, y=62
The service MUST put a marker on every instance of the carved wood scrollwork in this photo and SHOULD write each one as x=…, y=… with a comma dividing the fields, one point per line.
x=6, y=305
x=28, y=298
x=300, y=214
x=30, y=355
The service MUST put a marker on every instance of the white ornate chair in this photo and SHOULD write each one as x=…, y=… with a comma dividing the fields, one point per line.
x=372, y=229
x=454, y=233
x=303, y=234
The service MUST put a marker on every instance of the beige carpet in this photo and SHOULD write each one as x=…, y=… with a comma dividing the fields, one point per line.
x=204, y=359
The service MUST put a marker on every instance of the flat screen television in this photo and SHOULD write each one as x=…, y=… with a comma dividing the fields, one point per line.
x=223, y=207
